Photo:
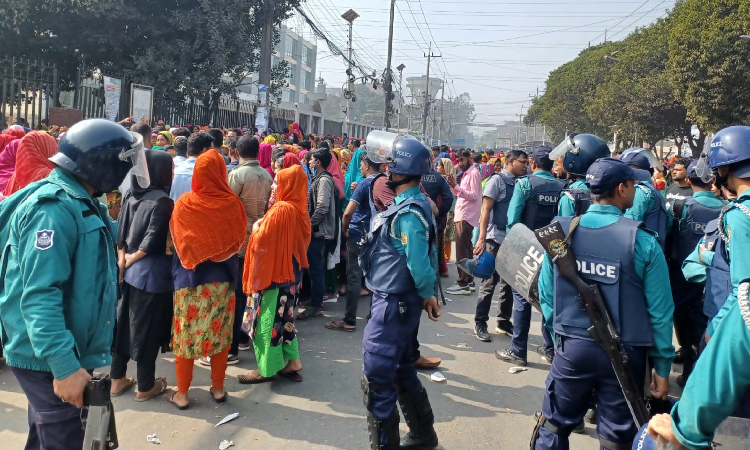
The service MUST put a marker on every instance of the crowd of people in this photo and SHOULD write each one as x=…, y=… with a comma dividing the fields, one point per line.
x=206, y=242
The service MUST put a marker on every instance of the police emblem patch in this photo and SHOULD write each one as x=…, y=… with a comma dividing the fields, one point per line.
x=558, y=248
x=44, y=239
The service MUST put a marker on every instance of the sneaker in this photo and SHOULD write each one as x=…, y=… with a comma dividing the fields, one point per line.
x=544, y=355
x=508, y=356
x=330, y=297
x=232, y=360
x=472, y=286
x=458, y=290
x=480, y=330
x=504, y=328
x=245, y=347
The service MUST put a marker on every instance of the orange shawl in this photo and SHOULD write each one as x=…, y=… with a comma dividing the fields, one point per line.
x=284, y=232
x=32, y=160
x=208, y=223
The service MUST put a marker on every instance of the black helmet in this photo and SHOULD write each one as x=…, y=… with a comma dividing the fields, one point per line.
x=580, y=151
x=101, y=153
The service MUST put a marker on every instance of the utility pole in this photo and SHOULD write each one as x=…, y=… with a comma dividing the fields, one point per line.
x=429, y=57
x=387, y=76
x=266, y=50
x=450, y=119
x=442, y=111
x=400, y=69
x=349, y=16
x=605, y=36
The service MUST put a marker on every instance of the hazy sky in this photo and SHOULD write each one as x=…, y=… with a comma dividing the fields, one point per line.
x=499, y=51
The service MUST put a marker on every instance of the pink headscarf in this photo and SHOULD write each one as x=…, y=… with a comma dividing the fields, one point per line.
x=264, y=158
x=8, y=163
x=302, y=153
x=335, y=170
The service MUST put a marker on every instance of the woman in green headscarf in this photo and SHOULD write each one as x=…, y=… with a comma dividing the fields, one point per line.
x=353, y=176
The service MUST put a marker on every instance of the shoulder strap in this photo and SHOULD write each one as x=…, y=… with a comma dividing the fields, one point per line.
x=573, y=226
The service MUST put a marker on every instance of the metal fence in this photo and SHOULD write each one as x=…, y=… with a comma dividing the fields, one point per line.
x=28, y=89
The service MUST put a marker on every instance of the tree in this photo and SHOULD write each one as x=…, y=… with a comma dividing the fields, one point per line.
x=201, y=47
x=561, y=107
x=709, y=64
x=638, y=97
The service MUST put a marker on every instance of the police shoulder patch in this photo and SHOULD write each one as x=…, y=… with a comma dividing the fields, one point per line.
x=404, y=239
x=44, y=239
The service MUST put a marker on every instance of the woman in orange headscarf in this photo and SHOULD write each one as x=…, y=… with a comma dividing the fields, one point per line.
x=32, y=160
x=208, y=227
x=276, y=255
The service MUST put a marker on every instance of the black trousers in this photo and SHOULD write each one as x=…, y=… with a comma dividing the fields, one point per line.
x=145, y=370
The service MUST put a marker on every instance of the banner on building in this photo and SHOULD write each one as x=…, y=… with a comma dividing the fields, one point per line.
x=112, y=91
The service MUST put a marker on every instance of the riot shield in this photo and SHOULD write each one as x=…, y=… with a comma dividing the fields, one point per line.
x=519, y=262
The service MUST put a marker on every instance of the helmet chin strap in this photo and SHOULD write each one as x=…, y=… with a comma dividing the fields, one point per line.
x=394, y=184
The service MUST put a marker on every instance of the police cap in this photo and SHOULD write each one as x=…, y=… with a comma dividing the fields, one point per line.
x=636, y=159
x=606, y=173
x=540, y=153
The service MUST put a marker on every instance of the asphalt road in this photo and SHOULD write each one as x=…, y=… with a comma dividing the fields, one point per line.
x=481, y=406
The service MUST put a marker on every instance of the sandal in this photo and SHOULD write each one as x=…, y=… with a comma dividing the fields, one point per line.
x=170, y=399
x=248, y=379
x=340, y=325
x=130, y=384
x=294, y=376
x=310, y=314
x=163, y=382
x=221, y=399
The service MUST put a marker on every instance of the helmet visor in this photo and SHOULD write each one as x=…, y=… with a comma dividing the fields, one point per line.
x=137, y=157
x=380, y=146
x=565, y=146
x=702, y=168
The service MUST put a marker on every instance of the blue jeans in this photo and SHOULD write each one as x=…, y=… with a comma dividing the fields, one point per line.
x=53, y=424
x=579, y=368
x=316, y=256
x=521, y=326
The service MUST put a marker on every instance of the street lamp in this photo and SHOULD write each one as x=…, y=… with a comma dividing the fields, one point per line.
x=349, y=16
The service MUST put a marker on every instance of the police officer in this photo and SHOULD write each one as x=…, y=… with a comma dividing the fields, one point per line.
x=400, y=242
x=692, y=214
x=492, y=224
x=648, y=206
x=633, y=286
x=533, y=203
x=59, y=272
x=699, y=412
x=586, y=149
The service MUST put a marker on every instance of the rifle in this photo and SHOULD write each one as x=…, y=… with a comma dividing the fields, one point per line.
x=602, y=330
x=99, y=423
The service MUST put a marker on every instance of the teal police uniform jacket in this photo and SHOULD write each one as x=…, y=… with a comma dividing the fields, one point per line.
x=651, y=267
x=521, y=194
x=694, y=266
x=567, y=206
x=58, y=277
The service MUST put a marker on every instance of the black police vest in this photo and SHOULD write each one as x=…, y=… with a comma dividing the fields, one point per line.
x=542, y=202
x=384, y=268
x=581, y=199
x=718, y=279
x=500, y=209
x=690, y=230
x=655, y=218
x=612, y=267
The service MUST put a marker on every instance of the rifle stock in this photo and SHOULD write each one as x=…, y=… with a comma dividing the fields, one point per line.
x=602, y=330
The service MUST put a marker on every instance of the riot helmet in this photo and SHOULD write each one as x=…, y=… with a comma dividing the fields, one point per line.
x=730, y=145
x=403, y=154
x=580, y=151
x=102, y=153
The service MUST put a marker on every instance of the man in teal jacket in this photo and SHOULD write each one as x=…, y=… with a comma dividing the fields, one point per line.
x=58, y=277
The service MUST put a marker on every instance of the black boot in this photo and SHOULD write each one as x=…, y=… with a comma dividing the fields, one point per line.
x=388, y=427
x=418, y=415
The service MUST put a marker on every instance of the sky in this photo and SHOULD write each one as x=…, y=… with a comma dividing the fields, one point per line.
x=499, y=51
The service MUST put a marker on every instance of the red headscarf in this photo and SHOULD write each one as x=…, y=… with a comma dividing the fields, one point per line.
x=289, y=160
x=335, y=170
x=208, y=223
x=264, y=158
x=10, y=135
x=32, y=160
x=284, y=232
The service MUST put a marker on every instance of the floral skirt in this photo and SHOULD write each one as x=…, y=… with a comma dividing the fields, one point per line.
x=450, y=229
x=203, y=319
